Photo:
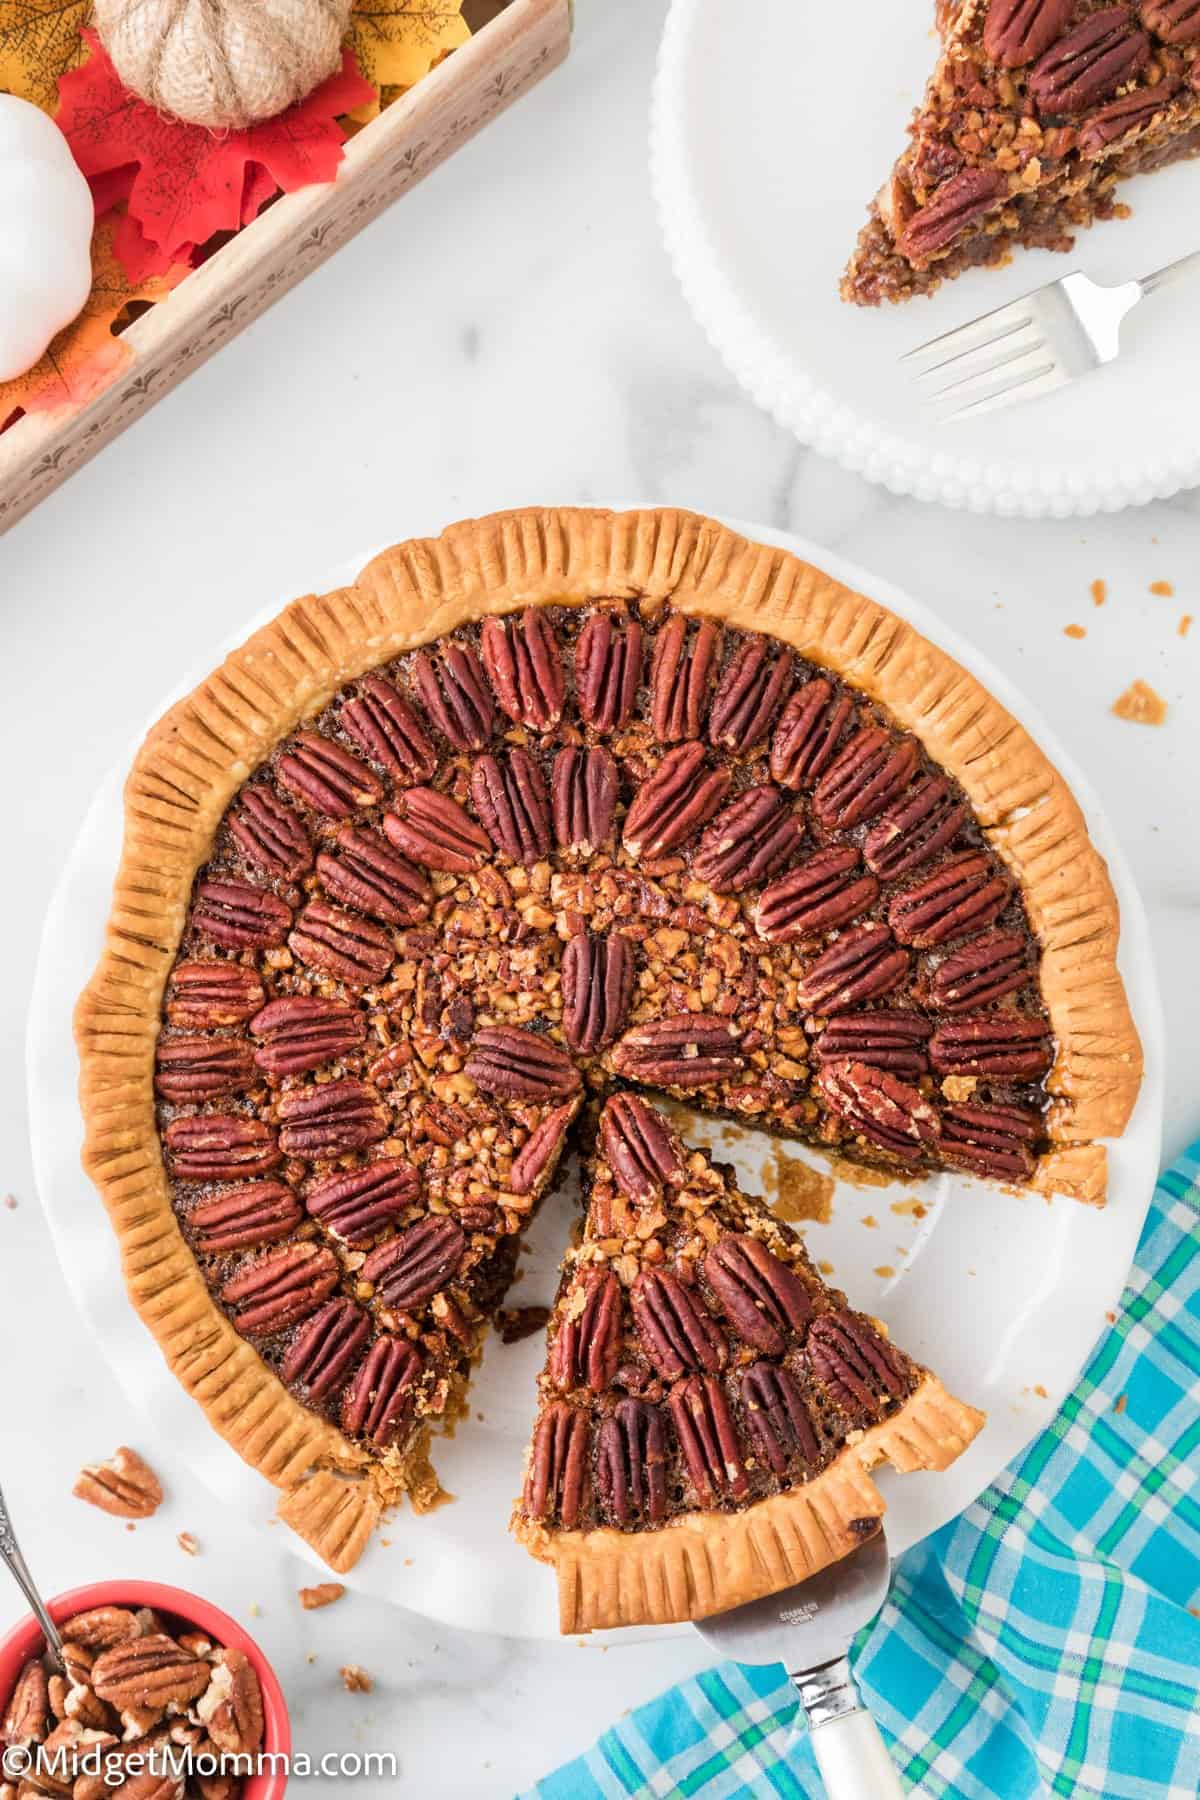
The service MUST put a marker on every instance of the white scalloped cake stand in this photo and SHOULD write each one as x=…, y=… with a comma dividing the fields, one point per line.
x=1002, y=1295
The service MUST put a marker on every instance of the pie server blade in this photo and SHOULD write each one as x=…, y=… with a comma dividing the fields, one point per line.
x=808, y=1628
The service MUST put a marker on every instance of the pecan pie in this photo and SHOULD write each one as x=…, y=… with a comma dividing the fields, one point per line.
x=1035, y=111
x=561, y=804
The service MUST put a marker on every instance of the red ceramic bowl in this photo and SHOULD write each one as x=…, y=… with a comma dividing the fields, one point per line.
x=25, y=1640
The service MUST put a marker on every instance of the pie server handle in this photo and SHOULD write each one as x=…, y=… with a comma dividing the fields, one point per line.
x=850, y=1753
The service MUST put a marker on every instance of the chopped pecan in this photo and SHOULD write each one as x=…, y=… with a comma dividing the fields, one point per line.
x=982, y=971
x=682, y=795
x=778, y=1417
x=243, y=1217
x=866, y=776
x=27, y=1719
x=709, y=1441
x=673, y=1325
x=433, y=829
x=1129, y=112
x=583, y=797
x=631, y=1464
x=879, y=1107
x=957, y=204
x=240, y=916
x=860, y=1369
x=597, y=988
x=379, y=1399
x=556, y=1485
x=1174, y=21
x=920, y=824
x=453, y=691
x=509, y=795
x=1014, y=1046
x=761, y=1297
x=519, y=1065
x=810, y=729
x=608, y=670
x=962, y=895
x=991, y=1140
x=540, y=1152
x=1095, y=58
x=323, y=1594
x=860, y=964
x=188, y=1070
x=231, y=1708
x=365, y=873
x=1017, y=32
x=269, y=834
x=220, y=1147
x=690, y=1050
x=680, y=672
x=326, y=1349
x=587, y=1345
x=638, y=1147
x=749, y=694
x=301, y=1031
x=356, y=1204
x=386, y=728
x=887, y=1038
x=829, y=888
x=330, y=779
x=409, y=1269
x=280, y=1288
x=751, y=839
x=149, y=1671
x=327, y=1120
x=340, y=943
x=203, y=996
x=523, y=663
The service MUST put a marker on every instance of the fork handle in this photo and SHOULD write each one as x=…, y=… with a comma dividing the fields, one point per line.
x=850, y=1753
x=1171, y=272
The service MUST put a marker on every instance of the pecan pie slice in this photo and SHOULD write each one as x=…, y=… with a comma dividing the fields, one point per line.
x=564, y=803
x=710, y=1409
x=1035, y=112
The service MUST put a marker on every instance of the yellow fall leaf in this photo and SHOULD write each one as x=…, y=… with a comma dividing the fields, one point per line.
x=39, y=41
x=395, y=42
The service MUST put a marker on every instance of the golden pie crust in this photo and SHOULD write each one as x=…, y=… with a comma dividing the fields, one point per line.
x=197, y=757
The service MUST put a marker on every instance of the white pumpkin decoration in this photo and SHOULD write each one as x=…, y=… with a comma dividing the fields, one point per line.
x=46, y=244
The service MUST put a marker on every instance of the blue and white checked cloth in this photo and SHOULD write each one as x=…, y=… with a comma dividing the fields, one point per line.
x=1045, y=1643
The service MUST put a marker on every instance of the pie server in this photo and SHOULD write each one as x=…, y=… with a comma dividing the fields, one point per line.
x=808, y=1629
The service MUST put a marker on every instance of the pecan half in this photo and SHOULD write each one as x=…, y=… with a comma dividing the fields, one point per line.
x=509, y=795
x=1174, y=21
x=631, y=1464
x=540, y=1151
x=962, y=895
x=690, y=1050
x=861, y=964
x=778, y=1417
x=673, y=1325
x=1129, y=112
x=240, y=916
x=524, y=666
x=27, y=1718
x=1017, y=32
x=555, y=1488
x=1015, y=1046
x=280, y=1288
x=583, y=797
x=829, y=888
x=331, y=780
x=326, y=1348
x=363, y=872
x=357, y=952
x=203, y=996
x=243, y=1217
x=681, y=669
x=356, y=1205
x=190, y=1069
x=956, y=205
x=919, y=825
x=409, y=1269
x=682, y=795
x=433, y=829
x=269, y=834
x=597, y=988
x=982, y=971
x=879, y=1107
x=519, y=1065
x=749, y=694
x=453, y=691
x=379, y=1399
x=888, y=1038
x=587, y=1345
x=810, y=729
x=997, y=1141
x=220, y=1147
x=386, y=728
x=709, y=1441
x=300, y=1032
x=329, y=1119
x=870, y=772
x=762, y=1298
x=860, y=1369
x=751, y=839
x=231, y=1709
x=608, y=670
x=150, y=1671
x=638, y=1147
x=1095, y=58
x=99, y=1628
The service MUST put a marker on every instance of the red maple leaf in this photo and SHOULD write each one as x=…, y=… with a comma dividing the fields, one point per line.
x=181, y=182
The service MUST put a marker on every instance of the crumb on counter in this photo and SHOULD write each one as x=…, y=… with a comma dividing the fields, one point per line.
x=870, y=1221
x=1075, y=631
x=324, y=1594
x=1099, y=592
x=1120, y=1403
x=885, y=1271
x=1140, y=705
x=1164, y=589
x=188, y=1543
x=11, y=1202
x=355, y=1680
x=1183, y=627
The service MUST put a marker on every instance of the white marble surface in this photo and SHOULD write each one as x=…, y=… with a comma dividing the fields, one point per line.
x=510, y=332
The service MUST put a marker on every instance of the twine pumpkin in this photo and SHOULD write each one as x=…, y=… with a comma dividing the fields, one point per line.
x=223, y=63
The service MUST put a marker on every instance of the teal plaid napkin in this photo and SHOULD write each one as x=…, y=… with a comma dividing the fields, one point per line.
x=1047, y=1642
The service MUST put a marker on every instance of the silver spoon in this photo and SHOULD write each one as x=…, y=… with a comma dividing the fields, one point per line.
x=10, y=1550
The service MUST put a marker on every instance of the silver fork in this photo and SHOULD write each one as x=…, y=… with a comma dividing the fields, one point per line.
x=1033, y=345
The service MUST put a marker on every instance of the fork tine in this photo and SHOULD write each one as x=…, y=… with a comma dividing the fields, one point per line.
x=1041, y=380
x=974, y=332
x=972, y=350
x=971, y=376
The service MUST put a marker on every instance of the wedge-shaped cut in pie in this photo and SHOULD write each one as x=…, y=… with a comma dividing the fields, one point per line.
x=710, y=1409
x=1035, y=112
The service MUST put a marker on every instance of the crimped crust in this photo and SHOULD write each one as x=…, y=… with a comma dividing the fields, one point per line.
x=204, y=749
x=706, y=1562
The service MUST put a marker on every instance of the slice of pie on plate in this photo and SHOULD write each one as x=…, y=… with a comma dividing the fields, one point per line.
x=1034, y=114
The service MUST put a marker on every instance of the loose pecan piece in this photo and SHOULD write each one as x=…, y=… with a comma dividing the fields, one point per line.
x=188, y=1070
x=150, y=1671
x=631, y=1464
x=810, y=728
x=240, y=916
x=243, y=1217
x=509, y=795
x=231, y=1709
x=433, y=829
x=982, y=971
x=203, y=996
x=583, y=797
x=587, y=1345
x=453, y=691
x=540, y=1151
x=1014, y=1046
x=220, y=1147
x=962, y=895
x=519, y=1065
x=27, y=1719
x=1095, y=58
x=829, y=888
x=379, y=1399
x=269, y=834
x=355, y=951
x=409, y=1269
x=608, y=670
x=956, y=205
x=1017, y=32
x=673, y=1325
x=300, y=1032
x=363, y=872
x=709, y=1441
x=597, y=987
x=887, y=1038
x=356, y=1205
x=1174, y=21
x=1128, y=113
x=778, y=1417
x=682, y=795
x=751, y=839
x=386, y=728
x=690, y=1050
x=861, y=964
x=329, y=1119
x=524, y=666
x=272, y=1291
x=749, y=694
x=867, y=774
x=681, y=670
x=859, y=1368
x=556, y=1486
x=330, y=779
x=879, y=1107
x=991, y=1140
x=326, y=1348
x=919, y=825
x=638, y=1147
x=761, y=1297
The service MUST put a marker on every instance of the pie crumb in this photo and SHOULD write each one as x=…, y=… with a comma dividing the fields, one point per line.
x=1075, y=631
x=1140, y=705
x=187, y=1543
x=1163, y=589
x=324, y=1594
x=1099, y=592
x=1120, y=1403
x=1111, y=1317
x=1184, y=626
x=1040, y=1391
x=912, y=1206
x=355, y=1680
x=255, y=1609
x=885, y=1271
x=870, y=1221
x=826, y=1268
x=803, y=1193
